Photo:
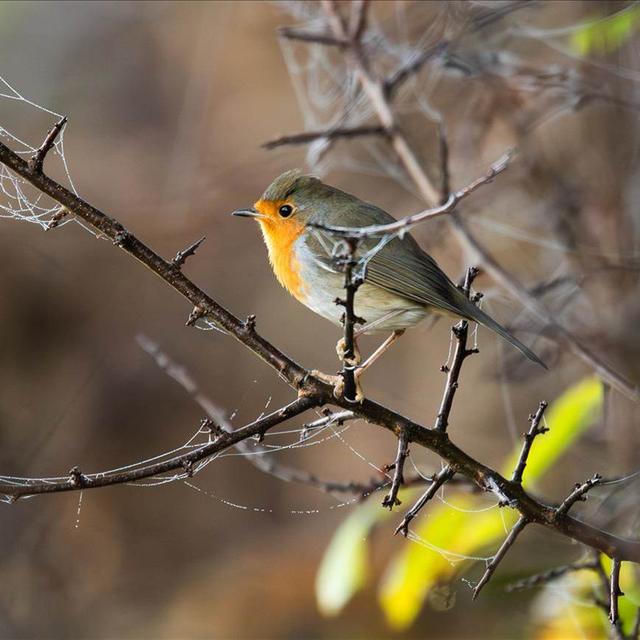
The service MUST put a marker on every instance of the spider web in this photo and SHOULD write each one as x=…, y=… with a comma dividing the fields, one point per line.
x=19, y=200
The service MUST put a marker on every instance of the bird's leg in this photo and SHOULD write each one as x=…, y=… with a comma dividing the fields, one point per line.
x=357, y=359
x=378, y=352
x=337, y=381
x=341, y=348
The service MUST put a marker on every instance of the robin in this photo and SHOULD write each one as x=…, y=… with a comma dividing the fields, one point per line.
x=402, y=283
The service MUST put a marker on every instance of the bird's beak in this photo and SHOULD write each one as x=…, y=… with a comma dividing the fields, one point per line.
x=247, y=213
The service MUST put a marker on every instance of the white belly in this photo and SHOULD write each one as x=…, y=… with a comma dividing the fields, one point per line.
x=323, y=286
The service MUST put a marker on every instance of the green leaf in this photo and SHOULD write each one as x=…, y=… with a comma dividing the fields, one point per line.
x=607, y=34
x=344, y=567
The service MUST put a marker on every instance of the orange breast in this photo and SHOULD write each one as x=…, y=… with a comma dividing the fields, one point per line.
x=280, y=236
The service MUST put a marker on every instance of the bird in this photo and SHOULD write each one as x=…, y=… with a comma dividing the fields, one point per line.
x=402, y=283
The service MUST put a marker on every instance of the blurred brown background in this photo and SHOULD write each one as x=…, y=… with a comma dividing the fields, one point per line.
x=168, y=104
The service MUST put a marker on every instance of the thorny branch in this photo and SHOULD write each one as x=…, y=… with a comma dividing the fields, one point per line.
x=579, y=494
x=352, y=282
x=312, y=392
x=614, y=592
x=608, y=603
x=37, y=161
x=501, y=553
x=529, y=437
x=391, y=499
x=549, y=576
x=438, y=481
x=461, y=353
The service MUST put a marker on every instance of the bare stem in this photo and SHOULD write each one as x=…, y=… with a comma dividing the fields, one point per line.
x=37, y=161
x=440, y=479
x=391, y=499
x=529, y=437
x=327, y=134
x=579, y=494
x=502, y=551
x=461, y=353
x=614, y=591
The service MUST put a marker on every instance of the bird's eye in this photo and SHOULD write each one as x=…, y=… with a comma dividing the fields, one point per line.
x=285, y=210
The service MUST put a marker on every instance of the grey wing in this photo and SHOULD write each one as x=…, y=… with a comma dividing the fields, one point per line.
x=397, y=265
x=403, y=268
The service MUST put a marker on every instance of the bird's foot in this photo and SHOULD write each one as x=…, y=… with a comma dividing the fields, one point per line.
x=337, y=382
x=341, y=349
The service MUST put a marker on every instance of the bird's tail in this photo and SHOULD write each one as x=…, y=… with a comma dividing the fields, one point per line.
x=478, y=315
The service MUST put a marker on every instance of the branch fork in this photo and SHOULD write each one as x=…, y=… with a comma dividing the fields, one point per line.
x=37, y=160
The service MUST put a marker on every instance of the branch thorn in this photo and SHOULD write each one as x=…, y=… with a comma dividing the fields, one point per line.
x=181, y=256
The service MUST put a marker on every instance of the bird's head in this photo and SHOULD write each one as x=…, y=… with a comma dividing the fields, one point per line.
x=286, y=205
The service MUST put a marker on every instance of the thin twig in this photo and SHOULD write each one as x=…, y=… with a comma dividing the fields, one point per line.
x=614, y=591
x=333, y=133
x=359, y=23
x=57, y=218
x=445, y=188
x=311, y=37
x=461, y=353
x=181, y=256
x=412, y=67
x=352, y=282
x=440, y=479
x=579, y=494
x=330, y=417
x=37, y=161
x=544, y=578
x=391, y=499
x=529, y=437
x=502, y=551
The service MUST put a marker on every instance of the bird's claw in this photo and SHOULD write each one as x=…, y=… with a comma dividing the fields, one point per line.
x=337, y=382
x=341, y=349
